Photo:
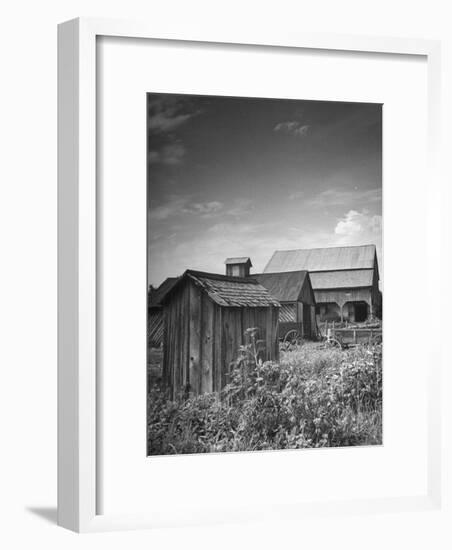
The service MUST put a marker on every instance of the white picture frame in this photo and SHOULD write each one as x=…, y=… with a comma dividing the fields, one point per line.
x=78, y=467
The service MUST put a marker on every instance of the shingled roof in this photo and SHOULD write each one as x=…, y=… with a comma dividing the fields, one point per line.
x=322, y=259
x=285, y=287
x=230, y=291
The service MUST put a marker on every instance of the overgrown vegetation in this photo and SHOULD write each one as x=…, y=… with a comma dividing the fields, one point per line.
x=314, y=397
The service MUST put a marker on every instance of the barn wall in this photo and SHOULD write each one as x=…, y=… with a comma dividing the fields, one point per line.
x=345, y=298
x=306, y=320
x=342, y=296
x=313, y=323
x=307, y=294
x=376, y=295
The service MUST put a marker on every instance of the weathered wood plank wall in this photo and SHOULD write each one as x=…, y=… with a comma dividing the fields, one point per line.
x=207, y=331
x=341, y=296
x=194, y=338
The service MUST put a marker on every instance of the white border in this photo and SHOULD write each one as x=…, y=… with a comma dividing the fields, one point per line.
x=77, y=265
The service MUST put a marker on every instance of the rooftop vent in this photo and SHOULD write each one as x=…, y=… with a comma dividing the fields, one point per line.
x=238, y=267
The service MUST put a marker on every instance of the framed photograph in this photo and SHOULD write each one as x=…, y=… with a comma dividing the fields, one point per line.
x=263, y=346
x=233, y=275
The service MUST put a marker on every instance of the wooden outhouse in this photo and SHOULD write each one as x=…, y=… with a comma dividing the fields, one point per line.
x=205, y=319
x=294, y=292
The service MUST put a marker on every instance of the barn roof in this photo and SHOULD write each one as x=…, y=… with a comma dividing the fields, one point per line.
x=157, y=295
x=285, y=287
x=322, y=259
x=232, y=291
x=342, y=279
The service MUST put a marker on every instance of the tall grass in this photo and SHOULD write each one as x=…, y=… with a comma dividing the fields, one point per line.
x=313, y=397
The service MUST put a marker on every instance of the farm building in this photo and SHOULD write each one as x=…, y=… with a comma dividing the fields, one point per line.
x=205, y=318
x=294, y=292
x=155, y=311
x=344, y=279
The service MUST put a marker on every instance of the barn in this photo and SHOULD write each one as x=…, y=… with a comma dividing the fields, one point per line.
x=205, y=319
x=345, y=279
x=294, y=292
x=155, y=311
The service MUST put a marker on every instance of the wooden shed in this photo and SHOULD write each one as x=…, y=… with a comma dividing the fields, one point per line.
x=205, y=319
x=294, y=292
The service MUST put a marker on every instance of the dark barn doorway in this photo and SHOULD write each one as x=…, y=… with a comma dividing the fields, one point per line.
x=360, y=312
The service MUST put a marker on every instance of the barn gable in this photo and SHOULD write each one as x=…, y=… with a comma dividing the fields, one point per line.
x=294, y=291
x=292, y=286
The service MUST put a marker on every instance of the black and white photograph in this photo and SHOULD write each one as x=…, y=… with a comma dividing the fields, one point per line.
x=264, y=274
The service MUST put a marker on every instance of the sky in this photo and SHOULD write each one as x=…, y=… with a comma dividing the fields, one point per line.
x=233, y=176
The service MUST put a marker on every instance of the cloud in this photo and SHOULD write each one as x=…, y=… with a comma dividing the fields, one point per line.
x=166, y=121
x=357, y=224
x=357, y=228
x=297, y=195
x=170, y=154
x=165, y=115
x=236, y=230
x=292, y=128
x=172, y=206
x=176, y=248
x=345, y=197
x=207, y=249
x=204, y=209
x=241, y=208
x=168, y=113
x=177, y=205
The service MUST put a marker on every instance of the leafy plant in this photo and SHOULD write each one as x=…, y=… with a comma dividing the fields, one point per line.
x=312, y=397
